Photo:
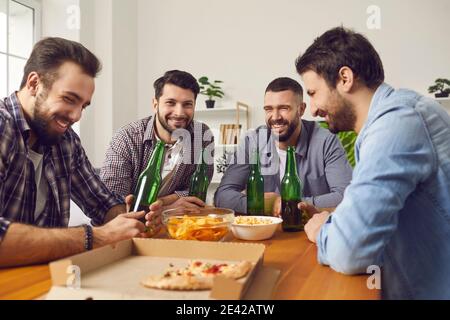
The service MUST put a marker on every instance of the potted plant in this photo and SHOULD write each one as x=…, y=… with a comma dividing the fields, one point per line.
x=211, y=90
x=441, y=89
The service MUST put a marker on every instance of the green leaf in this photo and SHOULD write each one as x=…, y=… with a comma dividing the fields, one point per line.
x=210, y=89
x=348, y=140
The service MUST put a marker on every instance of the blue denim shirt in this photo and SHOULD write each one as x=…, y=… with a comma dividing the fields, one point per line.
x=396, y=211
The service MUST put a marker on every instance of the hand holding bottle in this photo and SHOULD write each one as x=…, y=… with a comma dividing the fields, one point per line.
x=123, y=227
x=152, y=219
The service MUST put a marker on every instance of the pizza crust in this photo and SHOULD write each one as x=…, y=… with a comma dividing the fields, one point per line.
x=182, y=282
x=202, y=281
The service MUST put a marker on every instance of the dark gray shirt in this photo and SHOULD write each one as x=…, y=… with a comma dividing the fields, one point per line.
x=321, y=163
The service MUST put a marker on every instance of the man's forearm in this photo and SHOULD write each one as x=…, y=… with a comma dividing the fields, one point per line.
x=329, y=200
x=232, y=199
x=114, y=212
x=25, y=245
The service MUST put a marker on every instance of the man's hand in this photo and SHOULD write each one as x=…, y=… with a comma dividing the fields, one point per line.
x=272, y=199
x=309, y=209
x=129, y=202
x=313, y=226
x=125, y=226
x=185, y=202
x=154, y=216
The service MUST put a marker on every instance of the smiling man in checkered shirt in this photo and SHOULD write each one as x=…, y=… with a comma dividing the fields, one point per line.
x=43, y=165
x=132, y=146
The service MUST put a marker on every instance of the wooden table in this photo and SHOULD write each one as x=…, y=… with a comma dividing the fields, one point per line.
x=301, y=276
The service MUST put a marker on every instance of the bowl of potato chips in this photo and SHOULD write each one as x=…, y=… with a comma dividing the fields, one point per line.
x=203, y=224
x=255, y=228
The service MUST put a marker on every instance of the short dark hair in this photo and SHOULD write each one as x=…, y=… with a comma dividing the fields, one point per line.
x=340, y=47
x=178, y=78
x=283, y=84
x=50, y=53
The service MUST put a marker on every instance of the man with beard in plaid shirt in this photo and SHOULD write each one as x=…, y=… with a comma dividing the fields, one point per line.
x=43, y=165
x=132, y=146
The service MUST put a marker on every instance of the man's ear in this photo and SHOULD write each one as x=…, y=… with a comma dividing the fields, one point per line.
x=346, y=80
x=155, y=105
x=301, y=108
x=33, y=81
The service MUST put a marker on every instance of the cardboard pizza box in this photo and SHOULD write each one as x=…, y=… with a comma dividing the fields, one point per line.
x=115, y=272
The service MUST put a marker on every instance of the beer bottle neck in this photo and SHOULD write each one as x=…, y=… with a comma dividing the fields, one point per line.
x=255, y=165
x=201, y=165
x=156, y=160
x=291, y=165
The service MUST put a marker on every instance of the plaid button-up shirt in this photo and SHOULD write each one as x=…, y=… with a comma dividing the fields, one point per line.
x=67, y=170
x=132, y=147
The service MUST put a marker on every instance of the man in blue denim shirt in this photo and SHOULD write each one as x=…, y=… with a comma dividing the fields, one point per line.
x=396, y=212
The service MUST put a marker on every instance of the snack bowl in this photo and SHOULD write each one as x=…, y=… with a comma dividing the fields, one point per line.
x=255, y=228
x=203, y=224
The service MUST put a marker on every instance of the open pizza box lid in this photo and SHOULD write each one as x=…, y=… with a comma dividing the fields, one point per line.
x=115, y=272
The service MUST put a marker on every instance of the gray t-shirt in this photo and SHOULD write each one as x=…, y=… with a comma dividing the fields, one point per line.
x=41, y=182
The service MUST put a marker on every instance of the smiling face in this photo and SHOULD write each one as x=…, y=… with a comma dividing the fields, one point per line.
x=327, y=103
x=175, y=108
x=283, y=111
x=57, y=108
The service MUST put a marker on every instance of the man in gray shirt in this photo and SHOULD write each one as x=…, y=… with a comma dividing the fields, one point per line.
x=321, y=161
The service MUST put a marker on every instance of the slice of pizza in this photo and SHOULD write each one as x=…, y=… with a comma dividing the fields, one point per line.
x=197, y=275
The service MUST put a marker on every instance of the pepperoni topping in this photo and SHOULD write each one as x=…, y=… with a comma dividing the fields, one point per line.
x=215, y=268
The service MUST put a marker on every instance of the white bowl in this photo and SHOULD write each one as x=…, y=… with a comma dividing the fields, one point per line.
x=256, y=232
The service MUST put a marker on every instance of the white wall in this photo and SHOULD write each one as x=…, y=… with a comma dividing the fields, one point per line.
x=109, y=29
x=96, y=34
x=55, y=18
x=249, y=43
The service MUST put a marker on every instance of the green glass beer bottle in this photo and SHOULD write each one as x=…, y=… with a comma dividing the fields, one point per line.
x=291, y=195
x=149, y=182
x=255, y=188
x=200, y=180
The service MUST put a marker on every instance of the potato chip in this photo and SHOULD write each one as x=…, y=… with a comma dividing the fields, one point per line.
x=197, y=228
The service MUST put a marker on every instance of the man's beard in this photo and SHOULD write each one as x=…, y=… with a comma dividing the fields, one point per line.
x=291, y=128
x=39, y=123
x=344, y=118
x=165, y=124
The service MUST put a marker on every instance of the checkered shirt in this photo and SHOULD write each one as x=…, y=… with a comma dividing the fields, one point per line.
x=131, y=149
x=67, y=170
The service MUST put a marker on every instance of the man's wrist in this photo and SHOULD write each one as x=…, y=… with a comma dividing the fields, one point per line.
x=99, y=238
x=88, y=238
